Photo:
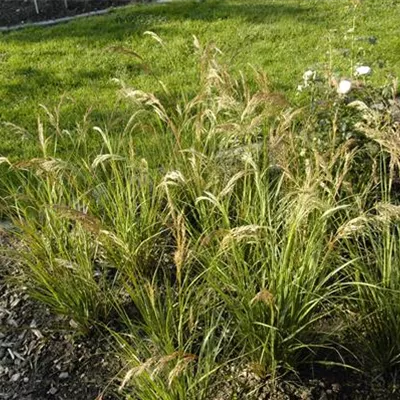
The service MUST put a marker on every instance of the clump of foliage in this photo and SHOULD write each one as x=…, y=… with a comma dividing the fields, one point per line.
x=248, y=248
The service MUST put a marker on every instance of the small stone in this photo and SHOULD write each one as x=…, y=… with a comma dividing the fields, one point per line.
x=52, y=391
x=15, y=302
x=12, y=322
x=15, y=377
x=37, y=333
x=11, y=354
x=73, y=324
x=64, y=375
x=6, y=344
x=336, y=387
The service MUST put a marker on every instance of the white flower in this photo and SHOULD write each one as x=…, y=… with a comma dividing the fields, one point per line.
x=300, y=88
x=363, y=70
x=344, y=86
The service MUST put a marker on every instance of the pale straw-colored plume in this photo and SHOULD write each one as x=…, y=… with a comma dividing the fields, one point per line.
x=242, y=234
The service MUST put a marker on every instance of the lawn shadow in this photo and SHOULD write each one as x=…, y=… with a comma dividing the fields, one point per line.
x=124, y=22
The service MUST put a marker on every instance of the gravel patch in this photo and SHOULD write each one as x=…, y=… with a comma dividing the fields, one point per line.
x=40, y=357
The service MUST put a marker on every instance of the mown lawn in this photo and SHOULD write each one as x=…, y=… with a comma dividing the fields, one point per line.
x=284, y=38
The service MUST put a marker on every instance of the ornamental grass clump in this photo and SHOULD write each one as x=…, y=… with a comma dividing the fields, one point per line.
x=80, y=221
x=374, y=286
x=252, y=265
x=245, y=247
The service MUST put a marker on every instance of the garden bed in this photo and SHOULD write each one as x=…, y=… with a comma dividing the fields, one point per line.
x=40, y=357
x=14, y=12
